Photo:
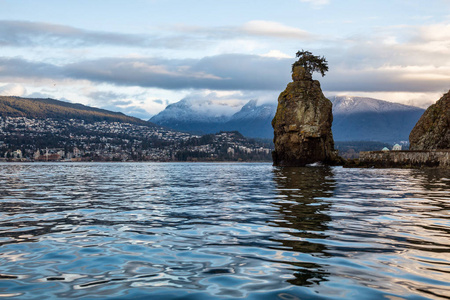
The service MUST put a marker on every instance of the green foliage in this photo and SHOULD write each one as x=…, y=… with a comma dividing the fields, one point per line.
x=311, y=63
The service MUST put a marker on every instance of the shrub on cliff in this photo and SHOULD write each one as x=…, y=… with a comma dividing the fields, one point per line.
x=311, y=63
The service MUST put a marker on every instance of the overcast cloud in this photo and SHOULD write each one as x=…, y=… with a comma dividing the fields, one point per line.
x=139, y=58
x=225, y=72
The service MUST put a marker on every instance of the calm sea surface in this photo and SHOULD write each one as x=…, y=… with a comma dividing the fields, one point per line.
x=222, y=231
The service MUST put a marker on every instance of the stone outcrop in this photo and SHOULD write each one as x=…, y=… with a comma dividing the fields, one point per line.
x=302, y=123
x=432, y=131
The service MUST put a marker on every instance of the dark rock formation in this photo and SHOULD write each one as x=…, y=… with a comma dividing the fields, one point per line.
x=432, y=131
x=302, y=123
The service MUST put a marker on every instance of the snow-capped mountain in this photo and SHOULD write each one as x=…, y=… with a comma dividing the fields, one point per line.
x=194, y=116
x=252, y=120
x=352, y=105
x=355, y=119
x=362, y=119
x=251, y=110
x=187, y=111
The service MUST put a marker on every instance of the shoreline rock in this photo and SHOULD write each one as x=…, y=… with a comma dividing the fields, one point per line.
x=432, y=131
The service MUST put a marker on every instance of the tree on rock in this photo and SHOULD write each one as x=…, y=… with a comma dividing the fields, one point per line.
x=311, y=63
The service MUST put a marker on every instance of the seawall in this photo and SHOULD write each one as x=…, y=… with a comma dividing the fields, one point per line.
x=405, y=159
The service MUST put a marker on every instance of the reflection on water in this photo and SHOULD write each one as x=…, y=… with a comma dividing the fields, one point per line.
x=212, y=231
x=305, y=215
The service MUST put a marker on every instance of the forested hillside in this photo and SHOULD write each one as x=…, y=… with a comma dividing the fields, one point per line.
x=50, y=108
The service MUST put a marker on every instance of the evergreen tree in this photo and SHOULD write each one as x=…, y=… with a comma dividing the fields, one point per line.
x=311, y=63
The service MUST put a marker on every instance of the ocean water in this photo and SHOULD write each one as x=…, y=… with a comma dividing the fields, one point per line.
x=222, y=231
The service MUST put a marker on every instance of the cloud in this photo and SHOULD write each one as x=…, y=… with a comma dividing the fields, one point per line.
x=22, y=33
x=221, y=72
x=230, y=72
x=109, y=96
x=21, y=69
x=273, y=29
x=158, y=101
x=399, y=58
x=276, y=54
x=32, y=34
x=317, y=3
x=434, y=32
x=216, y=103
x=388, y=79
x=254, y=28
x=12, y=90
x=39, y=95
x=120, y=102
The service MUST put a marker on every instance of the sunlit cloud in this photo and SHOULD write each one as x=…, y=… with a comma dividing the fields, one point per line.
x=277, y=54
x=274, y=29
x=12, y=89
x=317, y=3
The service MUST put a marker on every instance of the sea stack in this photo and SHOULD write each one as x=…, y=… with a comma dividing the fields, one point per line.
x=302, y=123
x=432, y=131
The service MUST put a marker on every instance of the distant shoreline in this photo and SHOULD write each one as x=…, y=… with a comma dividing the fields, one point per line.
x=129, y=161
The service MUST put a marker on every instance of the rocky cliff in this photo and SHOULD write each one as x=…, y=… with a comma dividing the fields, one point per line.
x=432, y=131
x=302, y=123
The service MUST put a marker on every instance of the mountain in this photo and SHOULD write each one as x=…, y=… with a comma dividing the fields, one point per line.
x=355, y=119
x=185, y=116
x=252, y=120
x=367, y=119
x=55, y=109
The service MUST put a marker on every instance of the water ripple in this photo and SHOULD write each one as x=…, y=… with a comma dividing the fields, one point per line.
x=213, y=231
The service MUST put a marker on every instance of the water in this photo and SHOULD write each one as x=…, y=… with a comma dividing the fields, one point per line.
x=213, y=231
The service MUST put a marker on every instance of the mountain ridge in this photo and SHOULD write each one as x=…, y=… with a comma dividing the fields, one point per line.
x=366, y=104
x=181, y=116
x=355, y=119
x=11, y=106
x=362, y=118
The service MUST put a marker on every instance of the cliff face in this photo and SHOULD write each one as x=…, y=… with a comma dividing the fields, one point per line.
x=432, y=131
x=302, y=123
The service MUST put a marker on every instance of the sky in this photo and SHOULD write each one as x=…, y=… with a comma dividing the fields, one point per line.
x=138, y=56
